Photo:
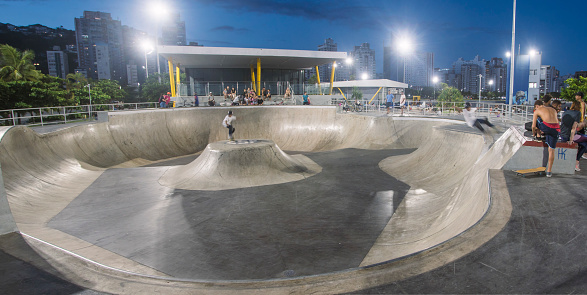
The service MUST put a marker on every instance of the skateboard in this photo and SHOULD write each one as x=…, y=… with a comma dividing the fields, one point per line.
x=535, y=171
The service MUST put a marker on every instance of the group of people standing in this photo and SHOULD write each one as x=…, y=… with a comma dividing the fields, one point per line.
x=570, y=128
x=389, y=101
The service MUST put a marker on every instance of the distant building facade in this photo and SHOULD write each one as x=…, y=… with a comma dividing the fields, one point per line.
x=549, y=79
x=415, y=69
x=326, y=69
x=580, y=74
x=100, y=46
x=363, y=61
x=173, y=33
x=420, y=69
x=137, y=55
x=526, y=77
x=57, y=62
x=496, y=75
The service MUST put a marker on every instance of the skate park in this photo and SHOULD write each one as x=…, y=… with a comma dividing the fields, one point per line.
x=327, y=203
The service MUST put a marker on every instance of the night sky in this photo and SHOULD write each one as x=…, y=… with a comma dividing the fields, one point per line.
x=449, y=28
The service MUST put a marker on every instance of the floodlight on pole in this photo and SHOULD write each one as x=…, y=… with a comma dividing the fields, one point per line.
x=404, y=46
x=349, y=61
x=364, y=76
x=148, y=49
x=434, y=80
x=157, y=9
x=480, y=76
x=512, y=58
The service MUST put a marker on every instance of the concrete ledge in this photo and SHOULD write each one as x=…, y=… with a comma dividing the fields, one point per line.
x=534, y=154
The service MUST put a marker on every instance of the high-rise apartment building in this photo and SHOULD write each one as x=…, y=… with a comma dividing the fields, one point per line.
x=132, y=75
x=173, y=32
x=325, y=69
x=467, y=73
x=145, y=59
x=549, y=79
x=418, y=66
x=496, y=75
x=100, y=46
x=363, y=62
x=419, y=69
x=57, y=62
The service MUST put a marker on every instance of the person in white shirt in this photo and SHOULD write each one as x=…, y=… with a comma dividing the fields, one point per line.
x=472, y=121
x=402, y=103
x=227, y=122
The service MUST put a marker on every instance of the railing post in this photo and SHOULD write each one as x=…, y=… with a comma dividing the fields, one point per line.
x=13, y=118
x=64, y=115
x=41, y=115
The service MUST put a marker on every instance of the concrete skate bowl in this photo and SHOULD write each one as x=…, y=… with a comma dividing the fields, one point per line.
x=443, y=217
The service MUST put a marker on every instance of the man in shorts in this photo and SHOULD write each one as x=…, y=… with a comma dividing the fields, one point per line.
x=227, y=123
x=389, y=102
x=551, y=128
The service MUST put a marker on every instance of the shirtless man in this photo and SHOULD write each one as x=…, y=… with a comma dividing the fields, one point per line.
x=551, y=128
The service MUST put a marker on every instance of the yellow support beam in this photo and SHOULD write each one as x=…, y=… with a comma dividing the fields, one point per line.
x=253, y=78
x=342, y=94
x=259, y=77
x=171, y=80
x=177, y=81
x=332, y=77
x=375, y=94
x=318, y=76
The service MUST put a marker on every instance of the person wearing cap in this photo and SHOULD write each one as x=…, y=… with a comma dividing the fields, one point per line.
x=167, y=99
x=227, y=122
x=211, y=101
x=472, y=120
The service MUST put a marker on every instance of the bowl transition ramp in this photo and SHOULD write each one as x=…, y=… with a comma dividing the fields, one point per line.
x=448, y=171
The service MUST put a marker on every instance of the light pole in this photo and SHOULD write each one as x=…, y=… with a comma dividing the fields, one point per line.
x=157, y=11
x=512, y=52
x=434, y=81
x=404, y=46
x=148, y=49
x=480, y=76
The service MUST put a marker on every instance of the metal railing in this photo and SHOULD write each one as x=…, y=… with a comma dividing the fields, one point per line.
x=519, y=114
x=65, y=114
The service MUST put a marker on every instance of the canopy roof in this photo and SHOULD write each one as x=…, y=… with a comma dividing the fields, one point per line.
x=370, y=83
x=230, y=57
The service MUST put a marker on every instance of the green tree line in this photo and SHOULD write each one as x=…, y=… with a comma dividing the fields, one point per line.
x=23, y=86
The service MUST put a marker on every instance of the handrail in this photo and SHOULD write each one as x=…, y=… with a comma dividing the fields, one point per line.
x=63, y=114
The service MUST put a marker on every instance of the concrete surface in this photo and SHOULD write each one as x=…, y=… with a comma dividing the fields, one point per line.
x=239, y=164
x=44, y=173
x=540, y=251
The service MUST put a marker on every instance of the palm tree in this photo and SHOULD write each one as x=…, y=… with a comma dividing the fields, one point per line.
x=16, y=65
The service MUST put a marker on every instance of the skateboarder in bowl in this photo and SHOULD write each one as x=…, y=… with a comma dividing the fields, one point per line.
x=227, y=122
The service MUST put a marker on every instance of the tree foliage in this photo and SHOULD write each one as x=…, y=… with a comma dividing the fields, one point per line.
x=356, y=94
x=450, y=94
x=16, y=65
x=22, y=94
x=152, y=89
x=574, y=86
